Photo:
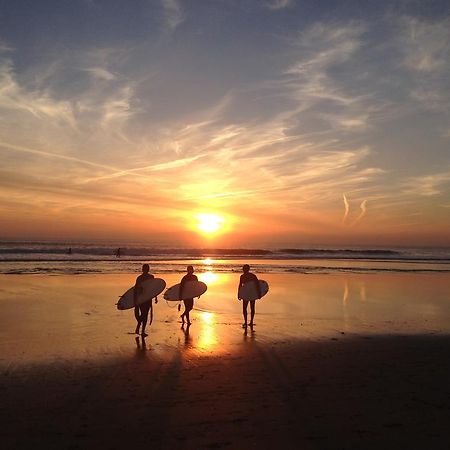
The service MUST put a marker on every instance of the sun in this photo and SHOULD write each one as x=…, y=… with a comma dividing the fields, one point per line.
x=209, y=223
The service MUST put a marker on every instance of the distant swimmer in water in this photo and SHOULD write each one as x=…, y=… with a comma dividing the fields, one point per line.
x=248, y=277
x=141, y=311
x=188, y=302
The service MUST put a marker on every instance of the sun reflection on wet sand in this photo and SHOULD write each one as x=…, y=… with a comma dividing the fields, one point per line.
x=207, y=339
x=208, y=277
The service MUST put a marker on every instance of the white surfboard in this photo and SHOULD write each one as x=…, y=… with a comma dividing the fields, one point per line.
x=190, y=290
x=150, y=289
x=248, y=290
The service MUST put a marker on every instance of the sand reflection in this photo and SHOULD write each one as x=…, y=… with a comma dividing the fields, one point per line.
x=207, y=339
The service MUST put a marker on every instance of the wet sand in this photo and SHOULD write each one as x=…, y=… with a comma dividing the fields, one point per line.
x=342, y=361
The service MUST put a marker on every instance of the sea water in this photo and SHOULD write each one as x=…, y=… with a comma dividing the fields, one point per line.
x=78, y=258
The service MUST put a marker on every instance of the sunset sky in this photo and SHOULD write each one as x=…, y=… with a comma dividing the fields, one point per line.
x=295, y=122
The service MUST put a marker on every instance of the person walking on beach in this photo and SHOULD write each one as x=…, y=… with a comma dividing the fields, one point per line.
x=141, y=311
x=188, y=302
x=248, y=277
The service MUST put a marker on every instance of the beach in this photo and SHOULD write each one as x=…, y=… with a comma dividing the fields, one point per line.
x=334, y=361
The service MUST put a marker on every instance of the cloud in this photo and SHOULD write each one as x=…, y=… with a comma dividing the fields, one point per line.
x=4, y=47
x=174, y=15
x=425, y=44
x=279, y=4
x=101, y=73
x=427, y=185
x=38, y=103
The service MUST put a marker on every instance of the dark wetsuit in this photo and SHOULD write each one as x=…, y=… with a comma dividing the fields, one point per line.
x=188, y=302
x=247, y=278
x=141, y=311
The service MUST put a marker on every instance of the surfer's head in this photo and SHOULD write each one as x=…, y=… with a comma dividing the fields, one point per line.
x=190, y=269
x=145, y=268
x=246, y=268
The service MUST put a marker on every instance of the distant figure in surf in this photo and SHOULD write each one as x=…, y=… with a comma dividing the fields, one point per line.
x=248, y=277
x=69, y=251
x=141, y=311
x=188, y=302
x=118, y=252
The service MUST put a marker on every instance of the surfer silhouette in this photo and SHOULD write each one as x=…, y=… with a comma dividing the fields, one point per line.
x=188, y=302
x=248, y=277
x=118, y=253
x=141, y=311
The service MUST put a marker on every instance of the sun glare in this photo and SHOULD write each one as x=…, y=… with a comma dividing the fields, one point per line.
x=209, y=223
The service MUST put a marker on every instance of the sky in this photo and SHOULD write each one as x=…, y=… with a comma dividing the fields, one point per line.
x=295, y=122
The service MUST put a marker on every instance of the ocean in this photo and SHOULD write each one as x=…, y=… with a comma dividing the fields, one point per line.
x=90, y=258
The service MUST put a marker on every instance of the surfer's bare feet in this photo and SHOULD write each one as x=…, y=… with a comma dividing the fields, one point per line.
x=144, y=334
x=244, y=325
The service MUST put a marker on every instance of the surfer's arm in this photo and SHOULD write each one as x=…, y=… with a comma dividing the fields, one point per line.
x=239, y=287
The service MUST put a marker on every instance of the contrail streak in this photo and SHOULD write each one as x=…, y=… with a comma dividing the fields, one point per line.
x=33, y=151
x=347, y=208
x=362, y=213
x=152, y=168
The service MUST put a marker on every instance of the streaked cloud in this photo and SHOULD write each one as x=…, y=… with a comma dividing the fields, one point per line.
x=280, y=4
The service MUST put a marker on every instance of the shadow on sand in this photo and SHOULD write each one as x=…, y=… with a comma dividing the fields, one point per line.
x=361, y=393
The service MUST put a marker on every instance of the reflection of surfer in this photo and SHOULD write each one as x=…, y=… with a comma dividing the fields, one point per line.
x=248, y=277
x=141, y=311
x=188, y=302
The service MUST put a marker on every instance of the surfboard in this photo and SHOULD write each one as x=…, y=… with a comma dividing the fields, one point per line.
x=150, y=289
x=248, y=290
x=190, y=290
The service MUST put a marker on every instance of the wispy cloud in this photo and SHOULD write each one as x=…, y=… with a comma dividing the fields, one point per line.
x=38, y=103
x=427, y=185
x=279, y=4
x=174, y=15
x=101, y=73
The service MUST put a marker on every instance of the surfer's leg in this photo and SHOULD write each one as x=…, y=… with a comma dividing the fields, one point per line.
x=184, y=312
x=244, y=312
x=151, y=314
x=137, y=315
x=252, y=312
x=145, y=307
x=189, y=304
